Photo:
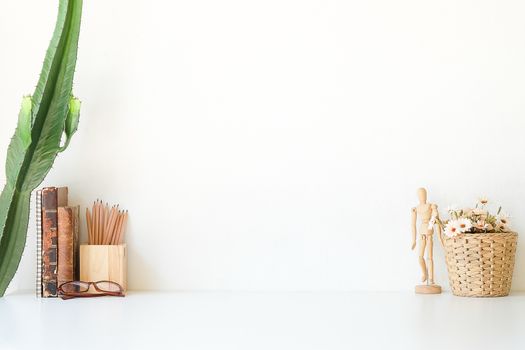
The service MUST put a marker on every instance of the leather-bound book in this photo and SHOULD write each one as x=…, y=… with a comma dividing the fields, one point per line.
x=52, y=197
x=76, y=243
x=67, y=244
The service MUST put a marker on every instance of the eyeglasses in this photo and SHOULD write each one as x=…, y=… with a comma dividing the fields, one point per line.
x=80, y=289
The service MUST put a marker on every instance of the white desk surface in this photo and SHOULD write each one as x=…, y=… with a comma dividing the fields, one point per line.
x=269, y=321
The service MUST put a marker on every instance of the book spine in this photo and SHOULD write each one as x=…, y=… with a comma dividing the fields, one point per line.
x=62, y=196
x=38, y=215
x=76, y=242
x=66, y=249
x=49, y=242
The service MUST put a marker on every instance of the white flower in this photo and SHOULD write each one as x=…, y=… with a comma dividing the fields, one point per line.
x=464, y=225
x=481, y=225
x=503, y=218
x=502, y=223
x=501, y=227
x=483, y=201
x=451, y=228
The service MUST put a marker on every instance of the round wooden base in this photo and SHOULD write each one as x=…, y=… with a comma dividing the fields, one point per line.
x=428, y=289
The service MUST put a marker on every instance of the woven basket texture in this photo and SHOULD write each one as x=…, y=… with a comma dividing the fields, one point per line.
x=481, y=264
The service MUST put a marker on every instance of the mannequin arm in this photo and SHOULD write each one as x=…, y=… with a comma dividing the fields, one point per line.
x=414, y=227
x=435, y=213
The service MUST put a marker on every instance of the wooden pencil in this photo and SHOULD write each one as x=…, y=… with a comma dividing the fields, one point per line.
x=118, y=231
x=114, y=228
x=111, y=226
x=102, y=218
x=105, y=226
x=100, y=222
x=101, y=208
x=106, y=215
x=123, y=228
x=99, y=219
x=95, y=209
x=95, y=221
x=88, y=221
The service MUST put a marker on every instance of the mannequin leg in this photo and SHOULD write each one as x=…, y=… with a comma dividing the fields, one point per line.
x=430, y=259
x=422, y=258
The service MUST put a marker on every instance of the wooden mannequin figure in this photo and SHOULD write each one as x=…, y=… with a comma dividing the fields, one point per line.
x=428, y=214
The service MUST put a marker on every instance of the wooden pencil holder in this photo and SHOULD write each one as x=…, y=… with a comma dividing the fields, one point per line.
x=104, y=263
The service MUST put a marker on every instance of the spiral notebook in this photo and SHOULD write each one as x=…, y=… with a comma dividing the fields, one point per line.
x=38, y=212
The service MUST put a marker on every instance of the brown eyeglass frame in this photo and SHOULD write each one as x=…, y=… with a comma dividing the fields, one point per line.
x=69, y=295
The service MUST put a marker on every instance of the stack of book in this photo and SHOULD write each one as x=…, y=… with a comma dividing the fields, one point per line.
x=57, y=226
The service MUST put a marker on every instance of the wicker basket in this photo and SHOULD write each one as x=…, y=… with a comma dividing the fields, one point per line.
x=481, y=264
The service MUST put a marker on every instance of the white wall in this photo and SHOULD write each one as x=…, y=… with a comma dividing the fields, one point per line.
x=277, y=145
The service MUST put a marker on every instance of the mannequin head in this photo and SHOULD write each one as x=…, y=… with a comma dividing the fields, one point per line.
x=422, y=195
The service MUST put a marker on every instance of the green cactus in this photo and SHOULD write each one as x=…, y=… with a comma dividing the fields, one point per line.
x=51, y=113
